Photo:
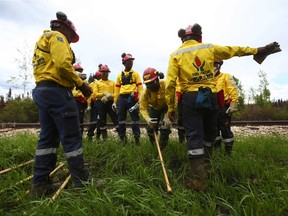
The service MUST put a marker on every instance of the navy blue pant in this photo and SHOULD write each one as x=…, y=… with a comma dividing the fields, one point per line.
x=104, y=109
x=94, y=118
x=124, y=104
x=200, y=124
x=59, y=120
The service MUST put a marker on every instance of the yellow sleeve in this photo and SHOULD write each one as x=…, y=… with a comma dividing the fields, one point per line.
x=170, y=84
x=117, y=88
x=231, y=89
x=139, y=84
x=143, y=106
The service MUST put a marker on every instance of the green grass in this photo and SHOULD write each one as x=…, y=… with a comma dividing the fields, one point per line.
x=254, y=181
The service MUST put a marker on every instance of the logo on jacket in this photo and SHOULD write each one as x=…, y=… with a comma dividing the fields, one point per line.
x=198, y=64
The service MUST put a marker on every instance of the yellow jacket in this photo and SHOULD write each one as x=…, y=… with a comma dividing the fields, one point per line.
x=52, y=60
x=153, y=99
x=102, y=86
x=225, y=82
x=135, y=84
x=193, y=63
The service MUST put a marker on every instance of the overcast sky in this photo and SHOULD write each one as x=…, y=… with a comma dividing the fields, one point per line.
x=148, y=30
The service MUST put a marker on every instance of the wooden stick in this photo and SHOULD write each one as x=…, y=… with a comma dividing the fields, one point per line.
x=60, y=189
x=14, y=167
x=57, y=168
x=169, y=189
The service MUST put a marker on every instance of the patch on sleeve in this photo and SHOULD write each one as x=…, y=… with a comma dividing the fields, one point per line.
x=60, y=39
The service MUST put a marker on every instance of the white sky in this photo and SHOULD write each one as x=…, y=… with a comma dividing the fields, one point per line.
x=148, y=30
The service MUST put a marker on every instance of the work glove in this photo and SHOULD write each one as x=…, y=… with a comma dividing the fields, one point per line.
x=172, y=116
x=107, y=94
x=166, y=124
x=114, y=107
x=152, y=123
x=263, y=52
x=85, y=89
x=104, y=99
x=232, y=108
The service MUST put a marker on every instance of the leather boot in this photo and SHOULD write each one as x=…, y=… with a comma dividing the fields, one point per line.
x=44, y=188
x=104, y=134
x=196, y=182
x=181, y=135
x=163, y=141
x=137, y=141
x=228, y=150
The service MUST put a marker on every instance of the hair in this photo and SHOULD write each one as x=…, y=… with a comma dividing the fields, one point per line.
x=123, y=55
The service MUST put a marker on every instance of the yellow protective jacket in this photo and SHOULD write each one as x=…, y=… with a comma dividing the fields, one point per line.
x=225, y=82
x=52, y=60
x=135, y=84
x=153, y=99
x=193, y=63
x=102, y=86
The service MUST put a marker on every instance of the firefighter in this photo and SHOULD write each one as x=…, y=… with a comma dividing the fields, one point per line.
x=55, y=77
x=153, y=106
x=103, y=93
x=228, y=103
x=193, y=63
x=81, y=101
x=128, y=87
x=93, y=108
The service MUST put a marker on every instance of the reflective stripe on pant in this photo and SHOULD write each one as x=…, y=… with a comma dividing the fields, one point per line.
x=123, y=107
x=200, y=124
x=59, y=122
x=224, y=127
x=93, y=118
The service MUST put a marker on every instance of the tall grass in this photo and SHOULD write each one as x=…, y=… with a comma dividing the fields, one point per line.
x=253, y=181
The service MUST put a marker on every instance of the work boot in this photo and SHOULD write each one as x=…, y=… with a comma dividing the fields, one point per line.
x=90, y=138
x=228, y=150
x=197, y=182
x=163, y=141
x=181, y=136
x=123, y=140
x=137, y=141
x=43, y=189
x=104, y=134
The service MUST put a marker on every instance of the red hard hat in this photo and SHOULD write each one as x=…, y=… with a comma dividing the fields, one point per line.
x=104, y=68
x=150, y=74
x=196, y=29
x=78, y=67
x=126, y=57
x=62, y=19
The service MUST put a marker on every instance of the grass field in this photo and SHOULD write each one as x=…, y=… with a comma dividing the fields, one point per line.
x=254, y=181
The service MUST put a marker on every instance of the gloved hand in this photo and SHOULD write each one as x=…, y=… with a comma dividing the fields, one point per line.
x=114, y=107
x=232, y=108
x=104, y=99
x=152, y=122
x=85, y=89
x=263, y=52
x=88, y=108
x=107, y=94
x=166, y=124
x=172, y=116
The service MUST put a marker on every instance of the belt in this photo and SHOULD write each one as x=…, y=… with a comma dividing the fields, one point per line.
x=49, y=83
x=124, y=95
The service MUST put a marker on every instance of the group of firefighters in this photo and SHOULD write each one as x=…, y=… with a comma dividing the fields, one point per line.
x=151, y=103
x=194, y=85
